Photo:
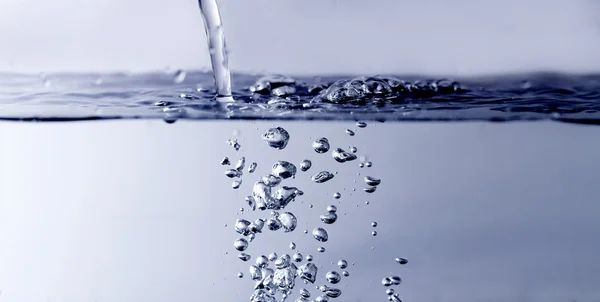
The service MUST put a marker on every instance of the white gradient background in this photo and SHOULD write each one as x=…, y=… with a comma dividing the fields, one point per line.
x=308, y=36
x=133, y=211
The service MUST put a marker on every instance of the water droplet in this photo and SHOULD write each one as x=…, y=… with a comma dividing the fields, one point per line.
x=288, y=221
x=342, y=156
x=389, y=291
x=401, y=260
x=345, y=273
x=309, y=258
x=372, y=181
x=350, y=132
x=240, y=244
x=361, y=124
x=252, y=168
x=283, y=261
x=304, y=293
x=179, y=76
x=329, y=218
x=240, y=275
x=255, y=272
x=320, y=234
x=292, y=245
x=343, y=264
x=331, y=209
x=396, y=280
x=321, y=145
x=337, y=195
x=236, y=184
x=225, y=161
x=374, y=233
x=353, y=149
x=370, y=189
x=369, y=164
x=374, y=224
x=305, y=165
x=244, y=256
x=234, y=144
x=322, y=177
x=273, y=256
x=231, y=173
x=276, y=138
x=386, y=281
x=284, y=169
x=321, y=249
x=242, y=227
x=262, y=261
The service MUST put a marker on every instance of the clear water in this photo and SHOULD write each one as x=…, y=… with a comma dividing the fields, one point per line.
x=137, y=211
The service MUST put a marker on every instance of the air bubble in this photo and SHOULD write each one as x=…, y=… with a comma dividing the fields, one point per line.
x=389, y=291
x=350, y=132
x=255, y=272
x=225, y=161
x=234, y=144
x=242, y=227
x=308, y=272
x=304, y=293
x=374, y=224
x=240, y=244
x=276, y=138
x=321, y=145
x=342, y=156
x=309, y=258
x=273, y=256
x=396, y=280
x=240, y=164
x=236, y=184
x=345, y=273
x=297, y=257
x=252, y=168
x=305, y=165
x=240, y=275
x=320, y=234
x=372, y=181
x=369, y=164
x=333, y=277
x=331, y=209
x=284, y=169
x=353, y=149
x=361, y=124
x=283, y=261
x=322, y=177
x=342, y=264
x=370, y=189
x=337, y=195
x=231, y=173
x=374, y=233
x=244, y=257
x=322, y=299
x=179, y=76
x=387, y=281
x=401, y=260
x=321, y=249
x=288, y=221
x=329, y=218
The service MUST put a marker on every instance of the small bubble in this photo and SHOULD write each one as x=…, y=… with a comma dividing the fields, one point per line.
x=283, y=261
x=309, y=258
x=374, y=224
x=342, y=156
x=329, y=218
x=333, y=277
x=331, y=209
x=395, y=298
x=273, y=256
x=231, y=173
x=353, y=149
x=374, y=233
x=321, y=249
x=337, y=195
x=345, y=273
x=255, y=272
x=225, y=161
x=366, y=202
x=305, y=165
x=240, y=244
x=298, y=257
x=361, y=124
x=304, y=293
x=389, y=291
x=310, y=206
x=288, y=221
x=236, y=184
x=361, y=165
x=386, y=281
x=262, y=261
x=320, y=234
x=401, y=260
x=234, y=144
x=292, y=245
x=240, y=275
x=342, y=264
x=370, y=189
x=321, y=145
x=252, y=168
x=244, y=256
x=322, y=299
x=396, y=280
x=369, y=164
x=372, y=181
x=350, y=132
x=283, y=169
x=276, y=138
